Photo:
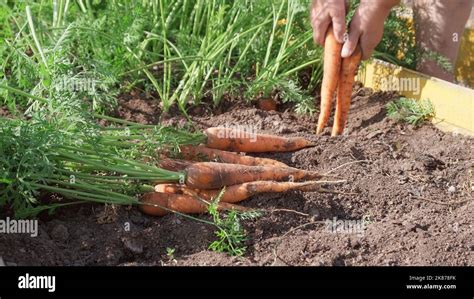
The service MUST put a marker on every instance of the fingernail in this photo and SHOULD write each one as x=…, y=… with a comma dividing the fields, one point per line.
x=345, y=52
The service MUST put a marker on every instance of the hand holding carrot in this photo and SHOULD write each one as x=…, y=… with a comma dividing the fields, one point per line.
x=342, y=57
x=337, y=74
x=366, y=27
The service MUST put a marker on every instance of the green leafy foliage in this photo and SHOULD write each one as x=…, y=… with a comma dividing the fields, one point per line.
x=398, y=41
x=170, y=253
x=64, y=151
x=410, y=110
x=181, y=51
x=439, y=59
x=222, y=46
x=230, y=233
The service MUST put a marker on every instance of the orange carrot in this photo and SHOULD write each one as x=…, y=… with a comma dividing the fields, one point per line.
x=267, y=104
x=203, y=153
x=242, y=141
x=212, y=175
x=344, y=90
x=332, y=66
x=173, y=165
x=172, y=188
x=237, y=193
x=160, y=204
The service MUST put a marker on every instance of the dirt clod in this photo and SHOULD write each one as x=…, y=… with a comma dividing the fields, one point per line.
x=134, y=245
x=60, y=233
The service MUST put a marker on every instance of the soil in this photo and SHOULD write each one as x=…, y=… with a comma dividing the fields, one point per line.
x=410, y=189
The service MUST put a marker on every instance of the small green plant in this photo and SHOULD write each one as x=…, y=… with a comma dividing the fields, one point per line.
x=231, y=235
x=291, y=92
x=441, y=60
x=410, y=110
x=170, y=253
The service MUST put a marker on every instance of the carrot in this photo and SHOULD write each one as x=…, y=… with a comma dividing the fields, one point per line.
x=242, y=141
x=212, y=175
x=332, y=66
x=237, y=193
x=267, y=104
x=173, y=165
x=344, y=90
x=199, y=152
x=160, y=204
x=172, y=188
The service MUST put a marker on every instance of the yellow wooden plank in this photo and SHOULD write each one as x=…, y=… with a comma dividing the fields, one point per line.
x=465, y=63
x=454, y=104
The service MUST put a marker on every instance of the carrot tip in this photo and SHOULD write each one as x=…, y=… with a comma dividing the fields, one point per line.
x=319, y=130
x=335, y=133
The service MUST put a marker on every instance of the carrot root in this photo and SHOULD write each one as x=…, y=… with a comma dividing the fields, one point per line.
x=160, y=204
x=173, y=165
x=228, y=139
x=332, y=66
x=267, y=104
x=344, y=91
x=238, y=193
x=203, y=153
x=211, y=175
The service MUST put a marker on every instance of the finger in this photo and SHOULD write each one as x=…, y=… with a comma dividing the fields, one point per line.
x=339, y=24
x=320, y=26
x=351, y=43
x=366, y=51
x=368, y=44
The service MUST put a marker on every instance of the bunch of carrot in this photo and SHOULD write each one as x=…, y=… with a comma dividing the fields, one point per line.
x=209, y=167
x=338, y=74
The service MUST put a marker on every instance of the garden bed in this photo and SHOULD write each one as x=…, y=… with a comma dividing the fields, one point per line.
x=412, y=185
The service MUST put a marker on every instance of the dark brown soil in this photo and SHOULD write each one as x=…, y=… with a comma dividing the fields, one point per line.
x=414, y=188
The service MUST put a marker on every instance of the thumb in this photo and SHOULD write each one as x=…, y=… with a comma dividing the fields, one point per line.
x=352, y=39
